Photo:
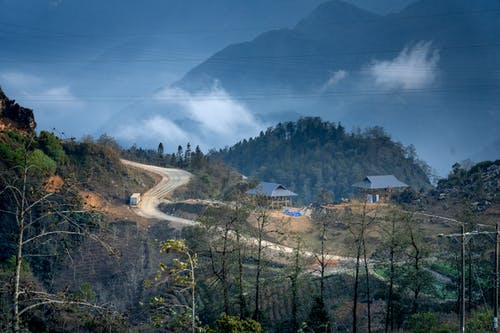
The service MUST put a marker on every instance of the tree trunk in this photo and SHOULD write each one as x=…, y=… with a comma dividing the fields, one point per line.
x=389, y=320
x=367, y=275
x=240, y=279
x=256, y=314
x=356, y=287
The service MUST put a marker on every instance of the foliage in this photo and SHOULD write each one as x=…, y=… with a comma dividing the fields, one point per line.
x=318, y=320
x=42, y=163
x=51, y=146
x=231, y=324
x=309, y=155
x=180, y=274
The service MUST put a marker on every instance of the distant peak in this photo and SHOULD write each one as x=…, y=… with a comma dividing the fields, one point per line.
x=341, y=8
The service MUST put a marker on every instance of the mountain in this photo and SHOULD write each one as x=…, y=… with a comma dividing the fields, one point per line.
x=310, y=155
x=428, y=73
x=340, y=36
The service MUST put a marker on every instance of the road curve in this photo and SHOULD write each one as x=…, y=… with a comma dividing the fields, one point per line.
x=170, y=180
x=174, y=178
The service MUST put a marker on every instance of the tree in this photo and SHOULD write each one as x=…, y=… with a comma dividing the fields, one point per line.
x=187, y=155
x=40, y=214
x=324, y=218
x=160, y=150
x=218, y=227
x=359, y=229
x=230, y=324
x=295, y=275
x=392, y=230
x=179, y=157
x=263, y=228
x=182, y=275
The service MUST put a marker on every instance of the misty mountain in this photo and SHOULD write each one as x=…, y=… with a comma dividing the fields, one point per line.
x=339, y=36
x=429, y=73
x=311, y=155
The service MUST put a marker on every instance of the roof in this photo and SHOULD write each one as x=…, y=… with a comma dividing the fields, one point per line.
x=271, y=190
x=135, y=195
x=380, y=182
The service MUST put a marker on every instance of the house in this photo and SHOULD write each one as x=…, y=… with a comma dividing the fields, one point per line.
x=379, y=188
x=277, y=195
x=135, y=198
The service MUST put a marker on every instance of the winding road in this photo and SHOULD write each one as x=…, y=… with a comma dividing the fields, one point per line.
x=150, y=201
x=174, y=178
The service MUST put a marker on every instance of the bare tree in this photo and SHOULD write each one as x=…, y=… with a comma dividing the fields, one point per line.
x=263, y=228
x=358, y=229
x=40, y=214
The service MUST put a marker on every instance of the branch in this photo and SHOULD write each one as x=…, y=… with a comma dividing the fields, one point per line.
x=61, y=302
x=57, y=232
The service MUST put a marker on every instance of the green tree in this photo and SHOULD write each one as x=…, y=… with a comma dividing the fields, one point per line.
x=230, y=324
x=181, y=275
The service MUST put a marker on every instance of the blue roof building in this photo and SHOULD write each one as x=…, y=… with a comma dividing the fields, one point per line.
x=277, y=194
x=379, y=187
x=380, y=183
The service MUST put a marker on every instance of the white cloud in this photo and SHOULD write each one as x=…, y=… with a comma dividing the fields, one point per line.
x=55, y=3
x=335, y=78
x=414, y=68
x=153, y=129
x=215, y=113
x=19, y=80
x=60, y=97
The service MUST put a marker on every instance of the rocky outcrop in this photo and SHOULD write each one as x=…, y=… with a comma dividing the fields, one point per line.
x=15, y=117
x=480, y=185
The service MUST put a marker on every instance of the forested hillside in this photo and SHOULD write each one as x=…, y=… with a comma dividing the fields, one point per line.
x=310, y=155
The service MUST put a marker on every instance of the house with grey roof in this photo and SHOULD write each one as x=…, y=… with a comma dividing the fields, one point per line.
x=379, y=188
x=277, y=195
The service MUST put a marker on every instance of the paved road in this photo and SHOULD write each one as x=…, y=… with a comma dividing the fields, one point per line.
x=171, y=179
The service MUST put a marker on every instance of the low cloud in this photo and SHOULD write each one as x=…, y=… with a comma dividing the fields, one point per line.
x=19, y=80
x=153, y=129
x=37, y=92
x=414, y=68
x=335, y=78
x=215, y=115
x=60, y=98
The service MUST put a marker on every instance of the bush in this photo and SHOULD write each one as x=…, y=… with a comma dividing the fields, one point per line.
x=231, y=324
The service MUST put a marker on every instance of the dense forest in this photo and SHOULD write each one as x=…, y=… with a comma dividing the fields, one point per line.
x=312, y=155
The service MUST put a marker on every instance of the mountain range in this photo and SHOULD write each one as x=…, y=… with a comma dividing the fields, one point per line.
x=428, y=73
x=212, y=73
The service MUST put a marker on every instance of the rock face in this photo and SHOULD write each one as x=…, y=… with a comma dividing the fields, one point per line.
x=480, y=185
x=14, y=116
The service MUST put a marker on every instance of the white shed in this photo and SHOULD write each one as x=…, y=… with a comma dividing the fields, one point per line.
x=135, y=198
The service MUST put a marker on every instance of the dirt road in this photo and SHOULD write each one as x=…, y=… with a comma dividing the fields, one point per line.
x=170, y=180
x=174, y=178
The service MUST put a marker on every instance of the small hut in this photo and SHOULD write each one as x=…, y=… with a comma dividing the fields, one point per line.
x=277, y=195
x=135, y=198
x=379, y=188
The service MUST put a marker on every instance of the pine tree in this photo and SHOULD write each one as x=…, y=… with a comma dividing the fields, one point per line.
x=179, y=158
x=187, y=155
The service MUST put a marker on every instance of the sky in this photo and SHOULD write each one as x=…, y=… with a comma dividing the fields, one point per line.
x=94, y=67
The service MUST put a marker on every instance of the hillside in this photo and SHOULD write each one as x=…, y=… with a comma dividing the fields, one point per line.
x=310, y=155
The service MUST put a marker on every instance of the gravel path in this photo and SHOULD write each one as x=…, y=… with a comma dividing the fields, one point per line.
x=150, y=201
